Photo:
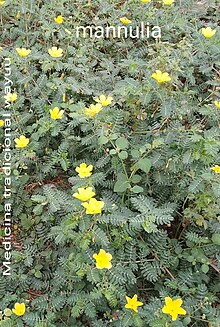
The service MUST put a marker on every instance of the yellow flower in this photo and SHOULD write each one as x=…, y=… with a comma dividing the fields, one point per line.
x=168, y=2
x=58, y=19
x=83, y=170
x=217, y=104
x=93, y=206
x=21, y=142
x=173, y=308
x=216, y=169
x=23, y=52
x=56, y=113
x=2, y=123
x=208, y=32
x=103, y=259
x=93, y=109
x=161, y=77
x=145, y=1
x=19, y=309
x=55, y=52
x=84, y=194
x=105, y=101
x=125, y=20
x=11, y=97
x=1, y=2
x=133, y=303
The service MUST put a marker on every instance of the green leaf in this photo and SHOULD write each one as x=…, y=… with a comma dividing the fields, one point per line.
x=47, y=65
x=157, y=143
x=58, y=65
x=121, y=186
x=103, y=140
x=216, y=239
x=113, y=136
x=144, y=164
x=122, y=143
x=186, y=321
x=123, y=155
x=136, y=178
x=158, y=323
x=167, y=108
x=64, y=163
x=7, y=312
x=135, y=154
x=205, y=268
x=112, y=151
x=24, y=179
x=137, y=189
x=122, y=183
x=38, y=274
x=187, y=157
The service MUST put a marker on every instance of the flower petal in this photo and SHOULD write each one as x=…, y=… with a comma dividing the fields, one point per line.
x=181, y=311
x=177, y=302
x=168, y=300
x=166, y=309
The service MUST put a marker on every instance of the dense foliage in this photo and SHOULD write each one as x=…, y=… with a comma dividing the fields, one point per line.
x=152, y=151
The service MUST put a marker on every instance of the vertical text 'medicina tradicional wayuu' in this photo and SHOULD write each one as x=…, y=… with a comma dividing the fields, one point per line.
x=6, y=115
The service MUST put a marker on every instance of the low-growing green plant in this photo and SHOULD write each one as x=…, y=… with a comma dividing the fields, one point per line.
x=115, y=165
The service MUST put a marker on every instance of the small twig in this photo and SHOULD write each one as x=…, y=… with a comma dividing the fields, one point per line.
x=214, y=267
x=217, y=71
x=183, y=230
x=169, y=273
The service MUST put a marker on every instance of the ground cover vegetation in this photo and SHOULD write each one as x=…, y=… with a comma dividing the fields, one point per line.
x=115, y=162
